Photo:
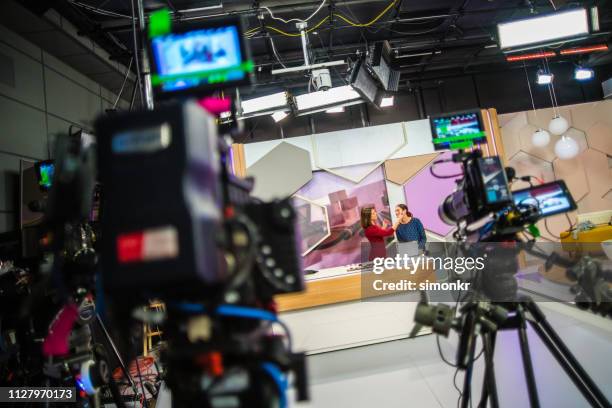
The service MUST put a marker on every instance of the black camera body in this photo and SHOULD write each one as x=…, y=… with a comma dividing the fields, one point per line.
x=162, y=207
x=177, y=225
x=483, y=189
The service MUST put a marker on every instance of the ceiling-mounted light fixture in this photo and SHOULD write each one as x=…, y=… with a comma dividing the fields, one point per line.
x=321, y=99
x=279, y=115
x=387, y=101
x=552, y=28
x=544, y=78
x=264, y=105
x=335, y=109
x=583, y=74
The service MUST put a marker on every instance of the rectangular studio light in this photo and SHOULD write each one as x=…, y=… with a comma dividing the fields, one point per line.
x=583, y=74
x=332, y=96
x=542, y=30
x=264, y=104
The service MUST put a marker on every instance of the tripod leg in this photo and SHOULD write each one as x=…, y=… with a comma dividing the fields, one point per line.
x=532, y=389
x=489, y=383
x=467, y=381
x=565, y=358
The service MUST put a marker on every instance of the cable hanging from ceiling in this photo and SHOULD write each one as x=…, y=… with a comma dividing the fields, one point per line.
x=251, y=32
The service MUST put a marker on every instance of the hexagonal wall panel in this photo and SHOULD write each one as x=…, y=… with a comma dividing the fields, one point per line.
x=510, y=133
x=600, y=137
x=572, y=172
x=544, y=116
x=597, y=171
x=313, y=222
x=504, y=118
x=398, y=171
x=545, y=153
x=424, y=193
x=585, y=115
x=281, y=172
x=527, y=165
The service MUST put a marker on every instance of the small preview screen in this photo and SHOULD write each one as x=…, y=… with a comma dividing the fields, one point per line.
x=45, y=171
x=457, y=131
x=552, y=198
x=194, y=58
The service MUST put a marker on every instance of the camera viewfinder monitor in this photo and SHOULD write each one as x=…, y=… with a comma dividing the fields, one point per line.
x=460, y=130
x=44, y=174
x=494, y=181
x=550, y=198
x=194, y=59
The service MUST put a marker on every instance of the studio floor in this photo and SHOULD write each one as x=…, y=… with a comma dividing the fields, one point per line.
x=410, y=372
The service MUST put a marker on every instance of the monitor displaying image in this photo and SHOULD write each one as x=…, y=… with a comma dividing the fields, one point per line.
x=551, y=198
x=457, y=130
x=196, y=58
x=44, y=174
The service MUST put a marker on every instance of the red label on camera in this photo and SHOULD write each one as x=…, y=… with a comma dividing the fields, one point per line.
x=148, y=245
x=129, y=247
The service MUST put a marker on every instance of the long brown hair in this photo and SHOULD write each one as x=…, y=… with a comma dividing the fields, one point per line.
x=366, y=217
x=405, y=208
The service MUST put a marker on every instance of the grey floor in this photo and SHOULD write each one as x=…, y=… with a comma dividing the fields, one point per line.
x=410, y=373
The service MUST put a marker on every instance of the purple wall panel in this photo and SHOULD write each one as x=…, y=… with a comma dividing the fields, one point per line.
x=424, y=193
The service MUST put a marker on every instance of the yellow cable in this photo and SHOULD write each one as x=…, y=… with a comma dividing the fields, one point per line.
x=375, y=19
x=297, y=34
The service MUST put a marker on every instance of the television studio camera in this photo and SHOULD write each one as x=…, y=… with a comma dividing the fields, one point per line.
x=489, y=217
x=179, y=227
x=172, y=224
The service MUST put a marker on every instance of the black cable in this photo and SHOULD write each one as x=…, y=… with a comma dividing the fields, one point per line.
x=144, y=394
x=457, y=388
x=442, y=354
x=431, y=170
x=135, y=54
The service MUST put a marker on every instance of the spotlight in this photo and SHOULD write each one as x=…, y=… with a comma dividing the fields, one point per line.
x=279, y=115
x=583, y=74
x=386, y=101
x=544, y=78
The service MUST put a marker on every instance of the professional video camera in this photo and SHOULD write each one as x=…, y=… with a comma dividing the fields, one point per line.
x=179, y=227
x=488, y=217
x=52, y=318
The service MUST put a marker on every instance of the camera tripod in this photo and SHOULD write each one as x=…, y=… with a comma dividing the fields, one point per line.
x=491, y=317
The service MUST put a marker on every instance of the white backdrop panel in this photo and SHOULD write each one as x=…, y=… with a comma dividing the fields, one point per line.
x=418, y=134
x=255, y=151
x=357, y=146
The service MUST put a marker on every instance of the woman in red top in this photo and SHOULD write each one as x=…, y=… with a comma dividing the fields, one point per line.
x=375, y=234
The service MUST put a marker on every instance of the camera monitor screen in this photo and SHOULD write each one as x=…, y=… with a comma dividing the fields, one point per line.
x=201, y=58
x=493, y=177
x=457, y=130
x=44, y=174
x=550, y=198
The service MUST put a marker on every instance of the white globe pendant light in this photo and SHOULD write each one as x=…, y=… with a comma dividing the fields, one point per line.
x=558, y=125
x=540, y=138
x=566, y=148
